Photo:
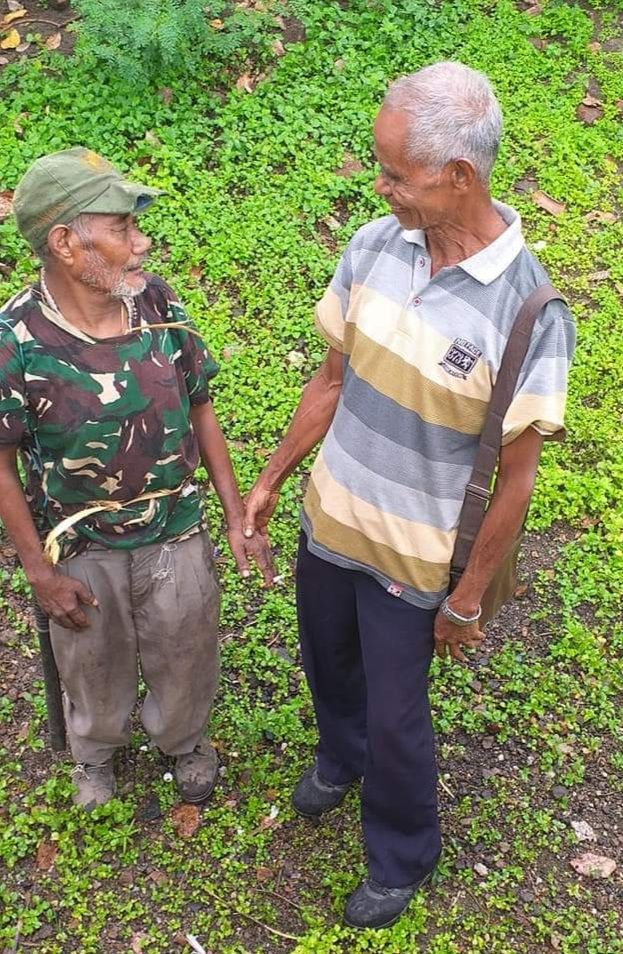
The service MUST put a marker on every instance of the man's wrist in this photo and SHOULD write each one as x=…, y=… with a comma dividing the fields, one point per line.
x=458, y=614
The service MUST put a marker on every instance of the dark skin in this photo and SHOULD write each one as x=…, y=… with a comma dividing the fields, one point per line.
x=454, y=209
x=90, y=307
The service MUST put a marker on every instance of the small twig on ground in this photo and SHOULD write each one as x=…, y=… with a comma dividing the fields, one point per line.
x=194, y=943
x=282, y=897
x=18, y=931
x=20, y=23
x=445, y=788
x=249, y=917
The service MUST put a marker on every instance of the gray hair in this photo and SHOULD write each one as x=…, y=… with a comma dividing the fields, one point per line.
x=81, y=225
x=453, y=114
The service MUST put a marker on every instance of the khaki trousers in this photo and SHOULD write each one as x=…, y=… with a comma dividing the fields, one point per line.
x=158, y=607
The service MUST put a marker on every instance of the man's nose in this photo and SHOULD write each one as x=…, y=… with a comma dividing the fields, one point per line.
x=141, y=243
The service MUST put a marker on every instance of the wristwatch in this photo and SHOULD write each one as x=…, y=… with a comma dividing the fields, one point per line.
x=456, y=618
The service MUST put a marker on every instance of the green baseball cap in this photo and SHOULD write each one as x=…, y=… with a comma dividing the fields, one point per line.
x=61, y=186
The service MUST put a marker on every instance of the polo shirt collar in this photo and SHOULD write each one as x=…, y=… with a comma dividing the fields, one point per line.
x=489, y=263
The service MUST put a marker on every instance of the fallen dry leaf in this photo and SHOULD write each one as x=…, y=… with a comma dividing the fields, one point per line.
x=196, y=272
x=350, y=166
x=185, y=819
x=166, y=95
x=594, y=47
x=533, y=11
x=23, y=47
x=600, y=276
x=6, y=204
x=137, y=942
x=152, y=139
x=46, y=855
x=545, y=201
x=602, y=218
x=14, y=15
x=595, y=866
x=4, y=60
x=521, y=591
x=245, y=82
x=54, y=41
x=158, y=877
x=262, y=874
x=589, y=110
x=11, y=41
x=278, y=48
x=217, y=24
x=14, y=5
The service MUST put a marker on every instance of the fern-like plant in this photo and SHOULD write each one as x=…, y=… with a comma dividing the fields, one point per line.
x=148, y=39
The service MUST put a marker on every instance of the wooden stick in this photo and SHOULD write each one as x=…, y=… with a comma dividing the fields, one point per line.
x=249, y=917
x=18, y=23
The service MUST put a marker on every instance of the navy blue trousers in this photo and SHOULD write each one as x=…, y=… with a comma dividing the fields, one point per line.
x=366, y=656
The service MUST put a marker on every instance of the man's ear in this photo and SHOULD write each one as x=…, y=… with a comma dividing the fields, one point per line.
x=61, y=244
x=462, y=174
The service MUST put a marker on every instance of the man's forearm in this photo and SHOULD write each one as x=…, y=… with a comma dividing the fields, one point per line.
x=309, y=425
x=499, y=530
x=503, y=520
x=17, y=520
x=216, y=460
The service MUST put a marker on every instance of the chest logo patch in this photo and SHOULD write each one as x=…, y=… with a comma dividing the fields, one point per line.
x=460, y=358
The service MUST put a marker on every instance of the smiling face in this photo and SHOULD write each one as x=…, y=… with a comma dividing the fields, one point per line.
x=419, y=196
x=109, y=254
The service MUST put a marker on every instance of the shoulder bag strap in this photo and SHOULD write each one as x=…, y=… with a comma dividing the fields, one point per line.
x=477, y=492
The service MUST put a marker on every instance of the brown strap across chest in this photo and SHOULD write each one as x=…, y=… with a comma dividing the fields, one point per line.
x=477, y=492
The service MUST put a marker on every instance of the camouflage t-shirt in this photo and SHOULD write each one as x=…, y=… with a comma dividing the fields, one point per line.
x=101, y=420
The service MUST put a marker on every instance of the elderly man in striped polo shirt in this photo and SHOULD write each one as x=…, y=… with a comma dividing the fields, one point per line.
x=416, y=319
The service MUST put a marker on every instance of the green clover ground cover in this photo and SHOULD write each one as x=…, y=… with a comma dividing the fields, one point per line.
x=264, y=189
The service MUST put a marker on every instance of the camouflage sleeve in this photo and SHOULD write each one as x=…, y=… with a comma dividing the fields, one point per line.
x=198, y=365
x=12, y=388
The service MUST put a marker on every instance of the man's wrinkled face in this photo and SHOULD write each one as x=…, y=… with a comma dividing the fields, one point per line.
x=112, y=253
x=419, y=196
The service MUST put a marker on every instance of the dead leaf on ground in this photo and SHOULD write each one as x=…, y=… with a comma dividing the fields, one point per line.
x=217, y=24
x=594, y=47
x=350, y=166
x=278, y=48
x=600, y=276
x=158, y=877
x=595, y=866
x=521, y=591
x=23, y=47
x=589, y=110
x=152, y=139
x=54, y=41
x=14, y=15
x=545, y=201
x=46, y=855
x=533, y=10
x=262, y=874
x=4, y=60
x=11, y=41
x=245, y=82
x=14, y=5
x=601, y=218
x=185, y=820
x=166, y=95
x=6, y=204
x=137, y=943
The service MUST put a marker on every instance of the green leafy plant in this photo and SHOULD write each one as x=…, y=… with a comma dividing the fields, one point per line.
x=150, y=39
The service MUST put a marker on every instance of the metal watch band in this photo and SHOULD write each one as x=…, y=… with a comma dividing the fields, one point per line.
x=456, y=618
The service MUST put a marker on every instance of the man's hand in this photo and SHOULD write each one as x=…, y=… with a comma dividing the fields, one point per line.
x=60, y=598
x=260, y=505
x=449, y=638
x=256, y=547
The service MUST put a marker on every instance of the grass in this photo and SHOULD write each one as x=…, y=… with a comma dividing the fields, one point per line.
x=530, y=734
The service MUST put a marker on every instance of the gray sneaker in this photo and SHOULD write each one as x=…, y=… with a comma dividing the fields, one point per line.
x=196, y=773
x=94, y=784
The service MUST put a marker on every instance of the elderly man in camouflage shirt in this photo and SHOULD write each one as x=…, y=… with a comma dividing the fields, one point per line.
x=104, y=389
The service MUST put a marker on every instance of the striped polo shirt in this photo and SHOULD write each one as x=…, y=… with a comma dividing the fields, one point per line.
x=421, y=356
